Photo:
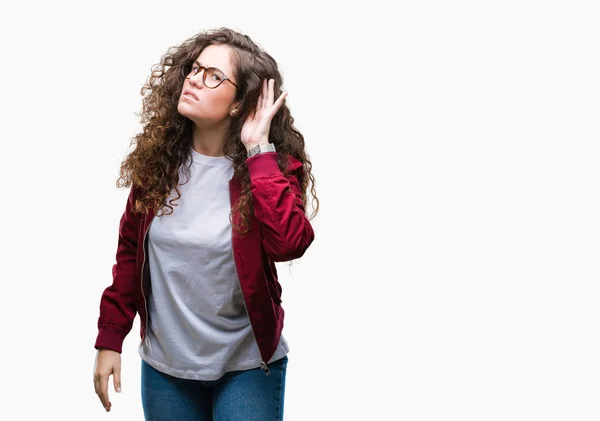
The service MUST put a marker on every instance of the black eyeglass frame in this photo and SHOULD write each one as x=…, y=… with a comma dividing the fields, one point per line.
x=200, y=68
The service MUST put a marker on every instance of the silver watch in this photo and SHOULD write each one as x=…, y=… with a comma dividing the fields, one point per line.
x=269, y=147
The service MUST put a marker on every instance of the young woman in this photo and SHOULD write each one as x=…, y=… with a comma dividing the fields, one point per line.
x=218, y=191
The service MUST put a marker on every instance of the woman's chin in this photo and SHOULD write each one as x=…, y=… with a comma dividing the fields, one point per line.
x=183, y=108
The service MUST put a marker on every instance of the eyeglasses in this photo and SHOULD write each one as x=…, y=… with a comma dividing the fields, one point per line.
x=212, y=77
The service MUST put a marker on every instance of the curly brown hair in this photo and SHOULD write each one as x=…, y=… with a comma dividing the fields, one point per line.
x=164, y=143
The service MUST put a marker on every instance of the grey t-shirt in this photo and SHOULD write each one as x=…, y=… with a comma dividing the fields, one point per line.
x=198, y=325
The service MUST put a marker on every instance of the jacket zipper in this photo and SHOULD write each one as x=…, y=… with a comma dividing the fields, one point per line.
x=263, y=365
x=142, y=281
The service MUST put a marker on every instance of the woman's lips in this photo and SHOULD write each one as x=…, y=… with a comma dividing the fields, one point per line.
x=188, y=95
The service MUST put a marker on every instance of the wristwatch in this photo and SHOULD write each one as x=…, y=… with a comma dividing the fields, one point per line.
x=269, y=147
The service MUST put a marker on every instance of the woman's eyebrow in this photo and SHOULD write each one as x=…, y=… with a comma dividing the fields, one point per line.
x=199, y=64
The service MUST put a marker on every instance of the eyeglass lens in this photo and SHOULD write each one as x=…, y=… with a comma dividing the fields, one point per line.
x=212, y=76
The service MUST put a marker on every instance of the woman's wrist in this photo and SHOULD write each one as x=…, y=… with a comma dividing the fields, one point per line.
x=260, y=148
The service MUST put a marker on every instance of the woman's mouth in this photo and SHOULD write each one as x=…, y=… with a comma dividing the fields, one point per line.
x=190, y=95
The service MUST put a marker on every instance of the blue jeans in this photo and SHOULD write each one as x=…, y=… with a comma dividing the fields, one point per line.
x=248, y=395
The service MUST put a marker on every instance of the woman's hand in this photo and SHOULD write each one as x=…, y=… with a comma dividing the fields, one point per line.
x=256, y=127
x=107, y=362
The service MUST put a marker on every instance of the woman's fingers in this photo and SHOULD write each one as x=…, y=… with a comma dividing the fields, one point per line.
x=265, y=94
x=280, y=100
x=101, y=388
x=96, y=388
x=117, y=379
x=103, y=395
x=259, y=104
x=270, y=92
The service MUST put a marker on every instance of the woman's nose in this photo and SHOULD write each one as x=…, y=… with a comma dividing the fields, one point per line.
x=196, y=80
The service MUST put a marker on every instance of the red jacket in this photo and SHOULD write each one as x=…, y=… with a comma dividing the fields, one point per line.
x=279, y=231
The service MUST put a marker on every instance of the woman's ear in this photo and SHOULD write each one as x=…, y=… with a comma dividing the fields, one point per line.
x=235, y=108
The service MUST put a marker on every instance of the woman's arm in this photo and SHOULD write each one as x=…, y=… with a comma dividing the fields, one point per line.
x=286, y=231
x=117, y=305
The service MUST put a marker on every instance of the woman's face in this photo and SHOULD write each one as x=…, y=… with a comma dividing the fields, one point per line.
x=211, y=105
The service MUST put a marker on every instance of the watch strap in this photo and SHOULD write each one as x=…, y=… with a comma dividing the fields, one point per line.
x=269, y=147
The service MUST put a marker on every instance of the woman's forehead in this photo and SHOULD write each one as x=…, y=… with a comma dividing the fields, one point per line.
x=216, y=56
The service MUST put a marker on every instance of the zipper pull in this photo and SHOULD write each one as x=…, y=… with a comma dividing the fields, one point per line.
x=264, y=367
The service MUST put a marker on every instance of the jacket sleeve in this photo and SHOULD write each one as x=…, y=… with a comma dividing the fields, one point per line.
x=286, y=231
x=117, y=304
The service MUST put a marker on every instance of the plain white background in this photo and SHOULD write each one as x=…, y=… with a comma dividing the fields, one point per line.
x=454, y=274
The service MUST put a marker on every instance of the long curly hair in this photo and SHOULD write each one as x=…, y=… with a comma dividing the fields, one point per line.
x=163, y=146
